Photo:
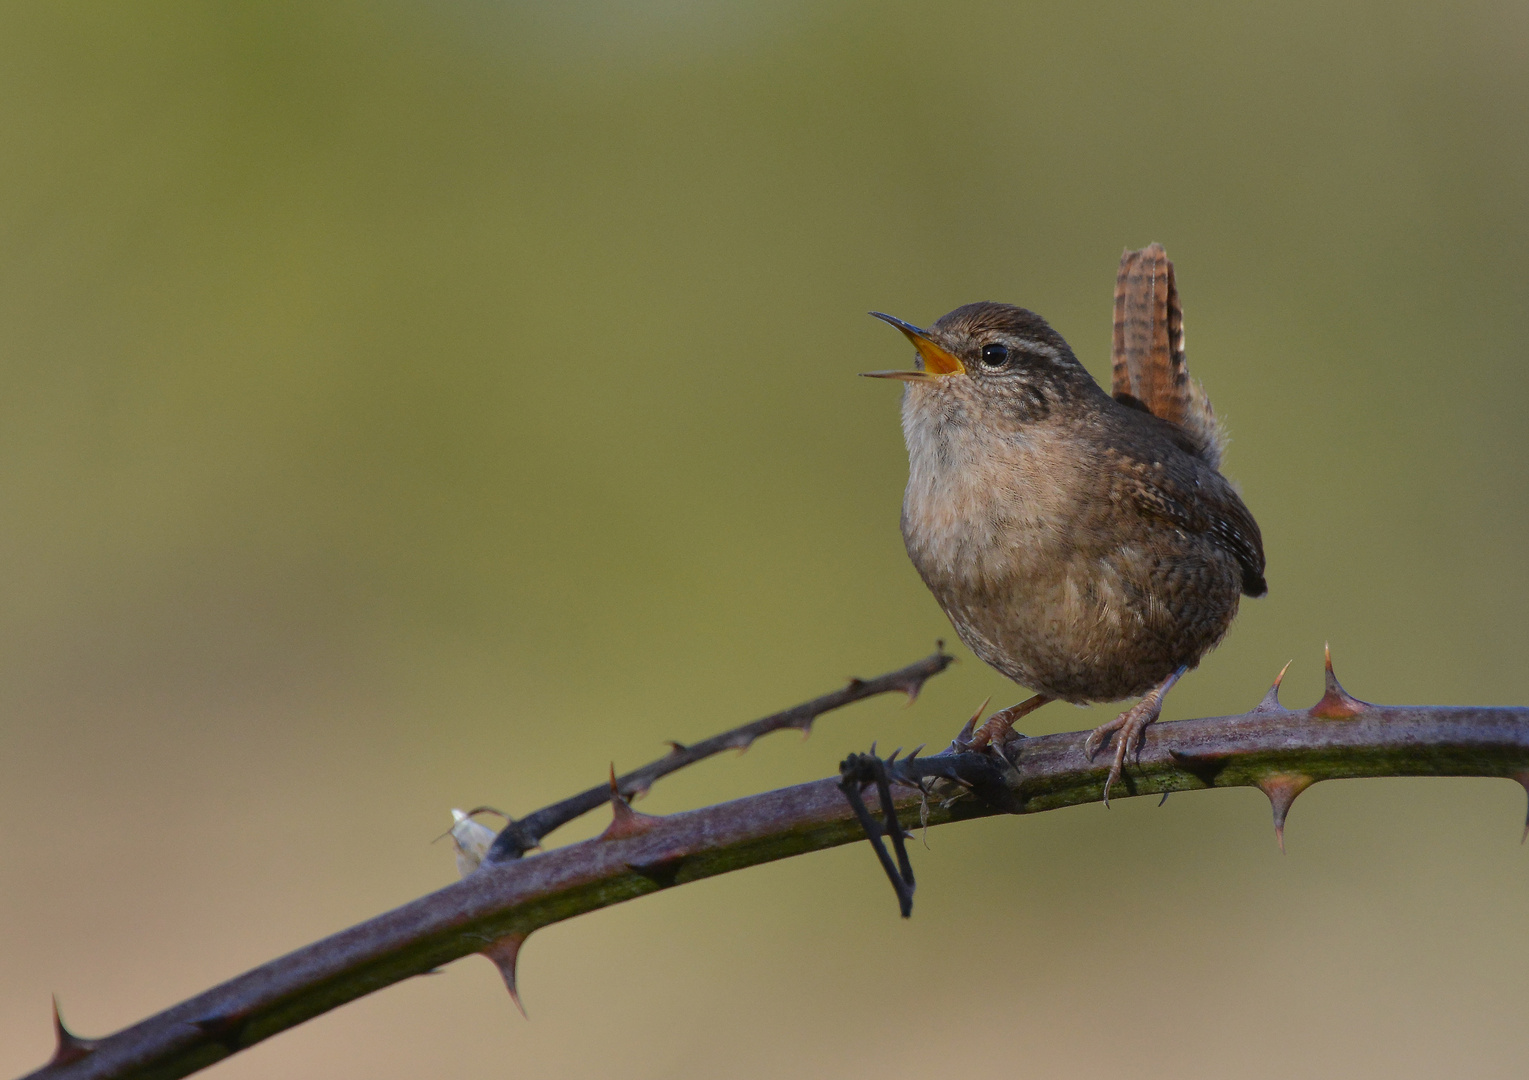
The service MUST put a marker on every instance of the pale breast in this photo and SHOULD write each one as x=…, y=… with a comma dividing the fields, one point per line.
x=980, y=510
x=1007, y=534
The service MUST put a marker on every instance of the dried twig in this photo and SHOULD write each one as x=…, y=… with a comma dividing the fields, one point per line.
x=1278, y=750
x=519, y=837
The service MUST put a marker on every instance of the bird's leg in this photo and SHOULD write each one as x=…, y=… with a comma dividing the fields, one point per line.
x=1002, y=722
x=1131, y=724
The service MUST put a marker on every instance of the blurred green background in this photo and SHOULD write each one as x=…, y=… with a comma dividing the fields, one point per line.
x=415, y=406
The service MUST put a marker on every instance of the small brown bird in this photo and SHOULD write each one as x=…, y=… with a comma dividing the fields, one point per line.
x=1083, y=544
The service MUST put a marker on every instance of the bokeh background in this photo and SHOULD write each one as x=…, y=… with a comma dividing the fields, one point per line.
x=407, y=406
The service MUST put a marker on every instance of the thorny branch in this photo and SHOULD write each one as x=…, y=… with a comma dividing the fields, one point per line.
x=519, y=837
x=1279, y=750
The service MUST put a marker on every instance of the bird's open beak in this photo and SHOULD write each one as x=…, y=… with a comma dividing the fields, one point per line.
x=937, y=359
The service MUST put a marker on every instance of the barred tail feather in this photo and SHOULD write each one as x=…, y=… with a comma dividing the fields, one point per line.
x=1148, y=368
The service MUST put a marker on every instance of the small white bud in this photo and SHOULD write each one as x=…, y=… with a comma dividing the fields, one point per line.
x=472, y=839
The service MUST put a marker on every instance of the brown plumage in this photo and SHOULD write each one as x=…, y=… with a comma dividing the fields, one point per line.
x=1147, y=365
x=1084, y=545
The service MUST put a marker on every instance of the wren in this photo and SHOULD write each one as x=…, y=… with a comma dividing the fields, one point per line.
x=1084, y=544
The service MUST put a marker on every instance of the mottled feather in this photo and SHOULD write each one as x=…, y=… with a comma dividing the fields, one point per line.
x=1081, y=545
x=1148, y=367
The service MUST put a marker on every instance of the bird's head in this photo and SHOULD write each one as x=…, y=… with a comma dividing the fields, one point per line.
x=994, y=360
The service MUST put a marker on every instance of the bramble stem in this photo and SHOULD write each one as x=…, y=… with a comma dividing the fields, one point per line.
x=1279, y=750
x=524, y=834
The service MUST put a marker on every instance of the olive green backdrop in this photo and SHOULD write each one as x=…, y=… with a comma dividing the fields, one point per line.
x=415, y=406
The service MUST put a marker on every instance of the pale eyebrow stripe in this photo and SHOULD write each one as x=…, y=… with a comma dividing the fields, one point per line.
x=1040, y=347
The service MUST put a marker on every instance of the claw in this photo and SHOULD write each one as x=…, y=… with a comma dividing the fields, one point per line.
x=1002, y=722
x=1132, y=725
x=1129, y=742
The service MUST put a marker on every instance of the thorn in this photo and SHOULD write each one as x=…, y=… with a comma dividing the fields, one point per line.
x=504, y=953
x=675, y=747
x=624, y=820
x=963, y=740
x=1337, y=703
x=855, y=682
x=1270, y=702
x=1282, y=788
x=67, y=1046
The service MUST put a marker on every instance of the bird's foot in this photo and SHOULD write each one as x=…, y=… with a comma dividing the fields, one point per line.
x=998, y=725
x=1132, y=726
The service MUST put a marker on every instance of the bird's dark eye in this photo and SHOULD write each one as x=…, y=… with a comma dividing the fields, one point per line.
x=995, y=356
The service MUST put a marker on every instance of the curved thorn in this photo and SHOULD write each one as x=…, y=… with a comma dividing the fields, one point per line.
x=67, y=1046
x=1270, y=702
x=1281, y=676
x=504, y=953
x=965, y=740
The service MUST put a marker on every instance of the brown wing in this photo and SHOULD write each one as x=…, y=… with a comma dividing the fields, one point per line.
x=1183, y=492
x=1147, y=355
